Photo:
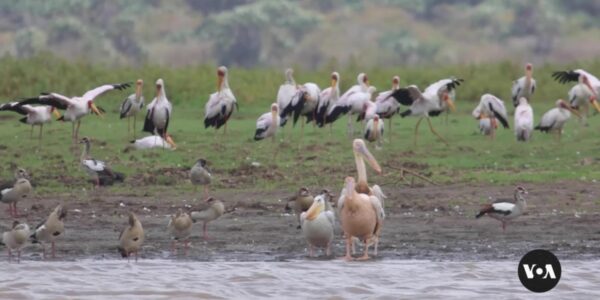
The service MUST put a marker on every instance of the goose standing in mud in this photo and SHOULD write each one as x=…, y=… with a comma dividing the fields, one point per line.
x=387, y=107
x=151, y=142
x=505, y=210
x=200, y=175
x=180, y=229
x=436, y=98
x=132, y=105
x=287, y=91
x=34, y=115
x=302, y=202
x=374, y=131
x=317, y=225
x=524, y=86
x=267, y=124
x=159, y=111
x=523, y=120
x=221, y=104
x=131, y=238
x=327, y=100
x=75, y=107
x=554, y=120
x=100, y=172
x=12, y=193
x=213, y=212
x=493, y=108
x=50, y=229
x=15, y=239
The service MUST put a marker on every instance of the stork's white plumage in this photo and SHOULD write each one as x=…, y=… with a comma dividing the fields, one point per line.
x=306, y=101
x=286, y=92
x=221, y=104
x=158, y=115
x=554, y=120
x=345, y=104
x=492, y=107
x=374, y=131
x=387, y=106
x=34, y=115
x=524, y=86
x=75, y=107
x=436, y=98
x=132, y=105
x=523, y=120
x=267, y=124
x=153, y=141
x=328, y=99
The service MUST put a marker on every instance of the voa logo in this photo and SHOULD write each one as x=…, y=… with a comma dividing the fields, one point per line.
x=539, y=271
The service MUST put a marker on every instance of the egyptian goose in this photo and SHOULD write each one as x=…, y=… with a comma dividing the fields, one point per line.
x=318, y=223
x=100, y=172
x=213, y=212
x=15, y=239
x=131, y=238
x=505, y=210
x=50, y=229
x=200, y=175
x=180, y=228
x=12, y=192
x=302, y=202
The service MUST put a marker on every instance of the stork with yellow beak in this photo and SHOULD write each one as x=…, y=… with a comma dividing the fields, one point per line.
x=327, y=100
x=34, y=115
x=221, y=104
x=159, y=111
x=132, y=105
x=554, y=120
x=524, y=86
x=436, y=98
x=75, y=107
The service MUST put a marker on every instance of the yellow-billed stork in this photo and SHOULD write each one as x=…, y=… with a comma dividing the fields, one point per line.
x=221, y=103
x=524, y=86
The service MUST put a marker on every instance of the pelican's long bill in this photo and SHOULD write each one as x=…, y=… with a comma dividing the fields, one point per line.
x=314, y=211
x=361, y=148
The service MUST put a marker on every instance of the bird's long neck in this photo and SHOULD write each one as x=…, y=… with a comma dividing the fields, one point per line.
x=225, y=84
x=527, y=79
x=520, y=200
x=274, y=114
x=290, y=79
x=361, y=184
x=86, y=151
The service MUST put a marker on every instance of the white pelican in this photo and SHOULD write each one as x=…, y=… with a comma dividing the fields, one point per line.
x=505, y=210
x=523, y=120
x=436, y=98
x=302, y=202
x=317, y=225
x=343, y=105
x=76, y=107
x=374, y=130
x=152, y=141
x=492, y=107
x=286, y=92
x=180, y=229
x=159, y=111
x=100, y=172
x=131, y=238
x=213, y=212
x=524, y=86
x=554, y=119
x=200, y=175
x=34, y=115
x=132, y=105
x=15, y=239
x=328, y=99
x=386, y=105
x=267, y=124
x=221, y=104
x=49, y=230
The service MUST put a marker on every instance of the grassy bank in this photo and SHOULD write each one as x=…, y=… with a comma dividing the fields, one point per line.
x=320, y=159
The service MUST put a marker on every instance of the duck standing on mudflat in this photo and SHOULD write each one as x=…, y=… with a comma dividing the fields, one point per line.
x=15, y=239
x=213, y=212
x=505, y=210
x=131, y=238
x=180, y=229
x=50, y=229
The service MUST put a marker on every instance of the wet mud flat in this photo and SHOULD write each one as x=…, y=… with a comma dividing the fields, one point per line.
x=432, y=222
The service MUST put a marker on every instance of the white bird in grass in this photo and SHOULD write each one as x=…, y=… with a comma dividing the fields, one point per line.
x=221, y=104
x=305, y=104
x=554, y=120
x=15, y=239
x=328, y=99
x=345, y=105
x=267, y=124
x=158, y=114
x=505, y=210
x=524, y=86
x=387, y=106
x=485, y=125
x=151, y=142
x=285, y=94
x=584, y=92
x=317, y=225
x=436, y=98
x=493, y=108
x=75, y=107
x=132, y=105
x=374, y=131
x=34, y=115
x=523, y=120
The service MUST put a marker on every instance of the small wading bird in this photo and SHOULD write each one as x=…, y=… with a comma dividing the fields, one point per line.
x=302, y=202
x=374, y=131
x=505, y=210
x=436, y=98
x=51, y=229
x=11, y=191
x=523, y=120
x=97, y=169
x=493, y=108
x=524, y=86
x=327, y=100
x=132, y=105
x=180, y=229
x=34, y=115
x=213, y=212
x=159, y=112
x=131, y=238
x=318, y=223
x=221, y=104
x=15, y=239
x=287, y=91
x=267, y=124
x=554, y=120
x=583, y=93
x=200, y=175
x=387, y=107
x=343, y=104
x=75, y=107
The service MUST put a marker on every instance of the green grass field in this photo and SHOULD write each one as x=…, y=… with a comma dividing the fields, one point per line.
x=320, y=159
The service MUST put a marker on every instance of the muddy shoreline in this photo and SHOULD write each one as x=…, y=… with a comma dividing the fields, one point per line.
x=431, y=222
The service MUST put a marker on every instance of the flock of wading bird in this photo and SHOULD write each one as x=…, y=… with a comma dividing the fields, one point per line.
x=360, y=207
